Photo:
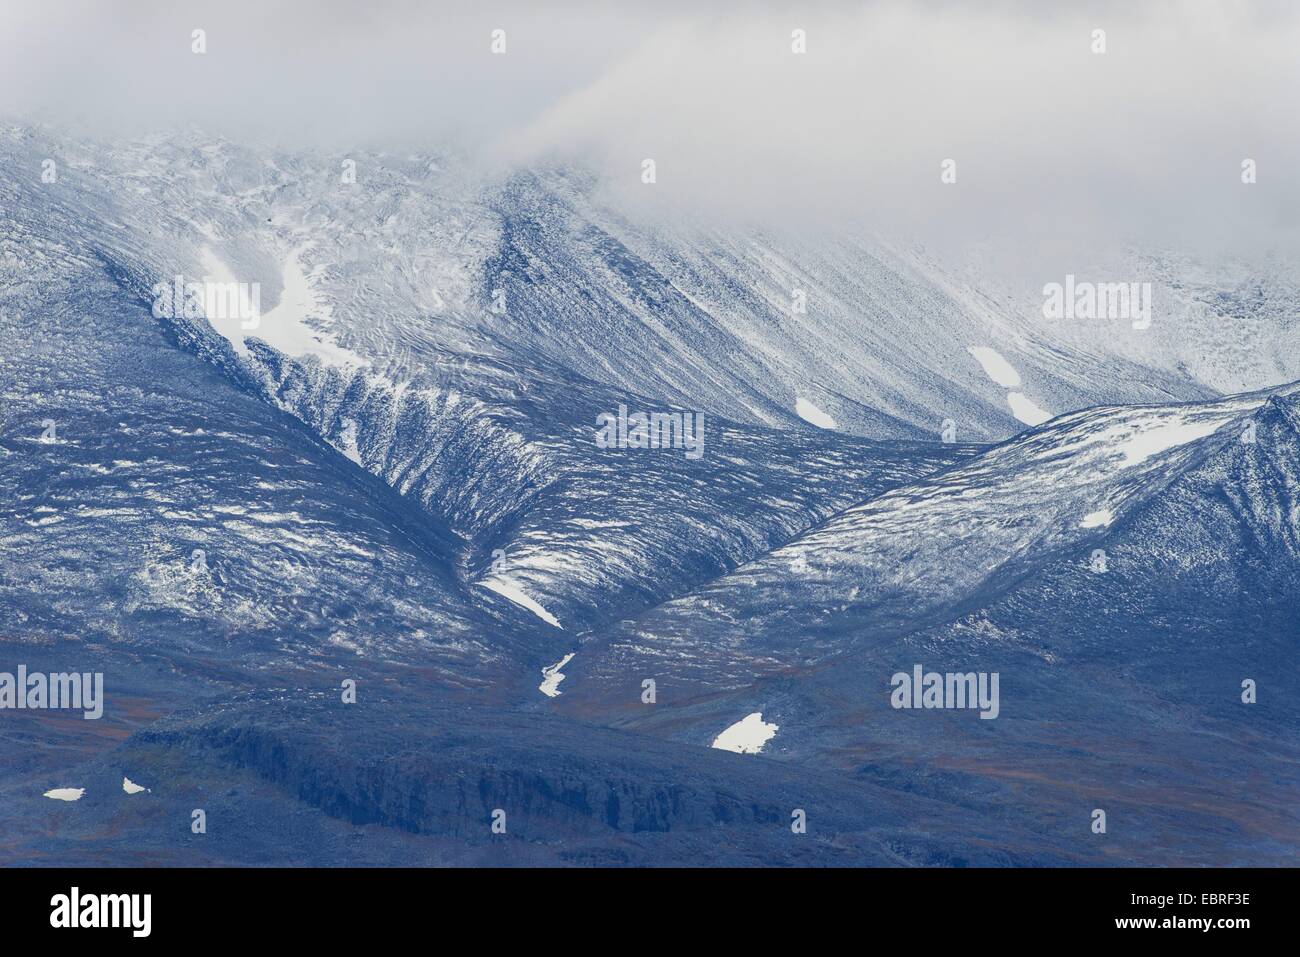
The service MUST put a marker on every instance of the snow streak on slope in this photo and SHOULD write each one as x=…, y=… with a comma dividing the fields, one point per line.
x=552, y=676
x=995, y=367
x=1004, y=374
x=516, y=594
x=810, y=413
x=1025, y=410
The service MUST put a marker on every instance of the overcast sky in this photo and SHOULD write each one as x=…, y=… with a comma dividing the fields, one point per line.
x=1144, y=140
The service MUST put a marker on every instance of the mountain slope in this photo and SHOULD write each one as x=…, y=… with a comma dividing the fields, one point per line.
x=394, y=479
x=1124, y=571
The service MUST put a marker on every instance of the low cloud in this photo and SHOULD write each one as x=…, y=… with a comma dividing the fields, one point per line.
x=1050, y=139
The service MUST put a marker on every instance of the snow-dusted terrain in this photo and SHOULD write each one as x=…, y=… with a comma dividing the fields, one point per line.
x=392, y=476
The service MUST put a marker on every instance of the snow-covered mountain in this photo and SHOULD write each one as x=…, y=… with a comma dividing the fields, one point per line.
x=396, y=474
x=425, y=255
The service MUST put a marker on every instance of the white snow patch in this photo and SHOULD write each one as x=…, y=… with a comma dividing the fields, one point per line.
x=347, y=443
x=65, y=794
x=551, y=677
x=285, y=327
x=130, y=787
x=514, y=593
x=995, y=367
x=1097, y=519
x=1004, y=374
x=810, y=413
x=1025, y=410
x=746, y=736
x=1154, y=441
